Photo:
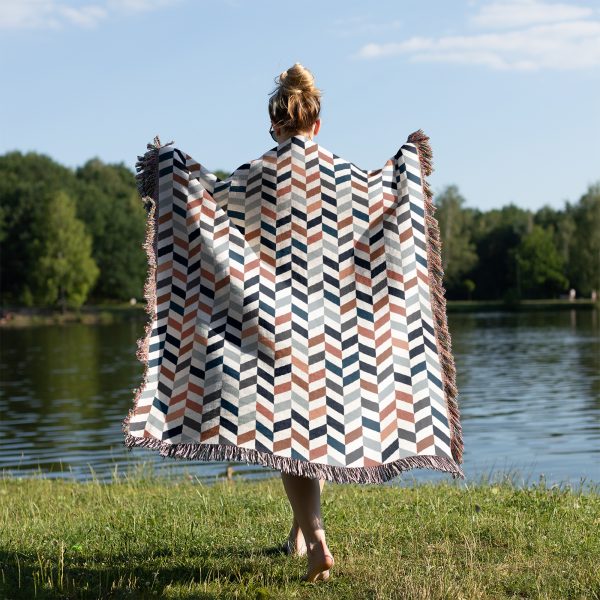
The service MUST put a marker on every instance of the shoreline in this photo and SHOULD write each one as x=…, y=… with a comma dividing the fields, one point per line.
x=102, y=314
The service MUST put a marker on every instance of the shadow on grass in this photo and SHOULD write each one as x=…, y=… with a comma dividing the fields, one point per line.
x=25, y=575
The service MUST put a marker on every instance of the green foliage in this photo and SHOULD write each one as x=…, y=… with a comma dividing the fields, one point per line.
x=469, y=286
x=584, y=248
x=496, y=233
x=458, y=250
x=221, y=174
x=27, y=182
x=110, y=206
x=563, y=228
x=64, y=270
x=106, y=201
x=540, y=265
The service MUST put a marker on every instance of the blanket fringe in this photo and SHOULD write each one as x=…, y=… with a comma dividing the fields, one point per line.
x=436, y=273
x=147, y=176
x=293, y=466
x=147, y=186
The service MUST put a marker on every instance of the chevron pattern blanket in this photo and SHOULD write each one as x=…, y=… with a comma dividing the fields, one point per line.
x=296, y=315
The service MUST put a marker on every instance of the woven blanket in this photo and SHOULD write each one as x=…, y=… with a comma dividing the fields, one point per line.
x=296, y=315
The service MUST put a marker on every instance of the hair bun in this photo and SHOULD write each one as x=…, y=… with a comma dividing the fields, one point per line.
x=295, y=103
x=297, y=80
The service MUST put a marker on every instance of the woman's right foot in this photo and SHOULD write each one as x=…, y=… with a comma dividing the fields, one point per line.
x=320, y=561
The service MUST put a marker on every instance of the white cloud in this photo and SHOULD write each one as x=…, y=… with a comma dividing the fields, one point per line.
x=86, y=16
x=550, y=37
x=55, y=14
x=138, y=5
x=519, y=13
x=47, y=14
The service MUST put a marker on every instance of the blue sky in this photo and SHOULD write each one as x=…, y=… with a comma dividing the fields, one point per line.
x=507, y=90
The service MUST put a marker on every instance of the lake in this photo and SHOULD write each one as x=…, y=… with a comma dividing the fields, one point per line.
x=528, y=382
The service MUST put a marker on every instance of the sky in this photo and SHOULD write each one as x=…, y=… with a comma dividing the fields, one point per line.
x=508, y=91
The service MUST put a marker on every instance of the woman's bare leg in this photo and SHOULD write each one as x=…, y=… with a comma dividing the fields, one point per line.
x=295, y=536
x=304, y=495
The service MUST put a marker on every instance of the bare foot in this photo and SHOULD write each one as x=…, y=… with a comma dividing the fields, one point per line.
x=295, y=544
x=320, y=561
x=322, y=576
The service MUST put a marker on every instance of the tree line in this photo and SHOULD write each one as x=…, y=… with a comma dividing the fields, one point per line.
x=74, y=236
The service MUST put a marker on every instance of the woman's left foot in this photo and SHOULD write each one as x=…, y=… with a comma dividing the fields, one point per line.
x=295, y=545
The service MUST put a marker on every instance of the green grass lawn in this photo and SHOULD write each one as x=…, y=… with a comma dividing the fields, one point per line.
x=153, y=537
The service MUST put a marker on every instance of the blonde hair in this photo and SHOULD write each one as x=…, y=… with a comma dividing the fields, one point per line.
x=295, y=104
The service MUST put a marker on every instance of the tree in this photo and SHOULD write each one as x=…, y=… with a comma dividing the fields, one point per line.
x=221, y=174
x=584, y=263
x=106, y=201
x=26, y=181
x=65, y=270
x=540, y=264
x=497, y=233
x=458, y=251
x=114, y=214
x=562, y=226
x=469, y=286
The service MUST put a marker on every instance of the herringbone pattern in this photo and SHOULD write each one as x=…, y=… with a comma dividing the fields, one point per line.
x=296, y=315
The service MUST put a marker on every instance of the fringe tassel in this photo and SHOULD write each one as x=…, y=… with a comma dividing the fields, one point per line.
x=147, y=186
x=436, y=273
x=147, y=167
x=229, y=452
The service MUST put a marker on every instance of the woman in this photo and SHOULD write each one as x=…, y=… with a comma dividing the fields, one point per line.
x=294, y=108
x=298, y=316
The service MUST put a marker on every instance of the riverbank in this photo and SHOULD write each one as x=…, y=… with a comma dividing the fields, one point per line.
x=118, y=312
x=145, y=537
x=96, y=314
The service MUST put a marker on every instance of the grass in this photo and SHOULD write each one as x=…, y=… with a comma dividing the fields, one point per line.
x=147, y=536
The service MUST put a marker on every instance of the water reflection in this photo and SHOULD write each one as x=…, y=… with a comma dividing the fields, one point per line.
x=529, y=395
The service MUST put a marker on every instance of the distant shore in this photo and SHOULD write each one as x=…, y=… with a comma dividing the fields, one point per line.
x=18, y=316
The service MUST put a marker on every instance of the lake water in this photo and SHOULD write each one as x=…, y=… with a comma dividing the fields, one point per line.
x=529, y=396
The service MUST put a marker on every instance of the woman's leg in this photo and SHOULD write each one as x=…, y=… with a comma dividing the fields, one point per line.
x=295, y=536
x=304, y=495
